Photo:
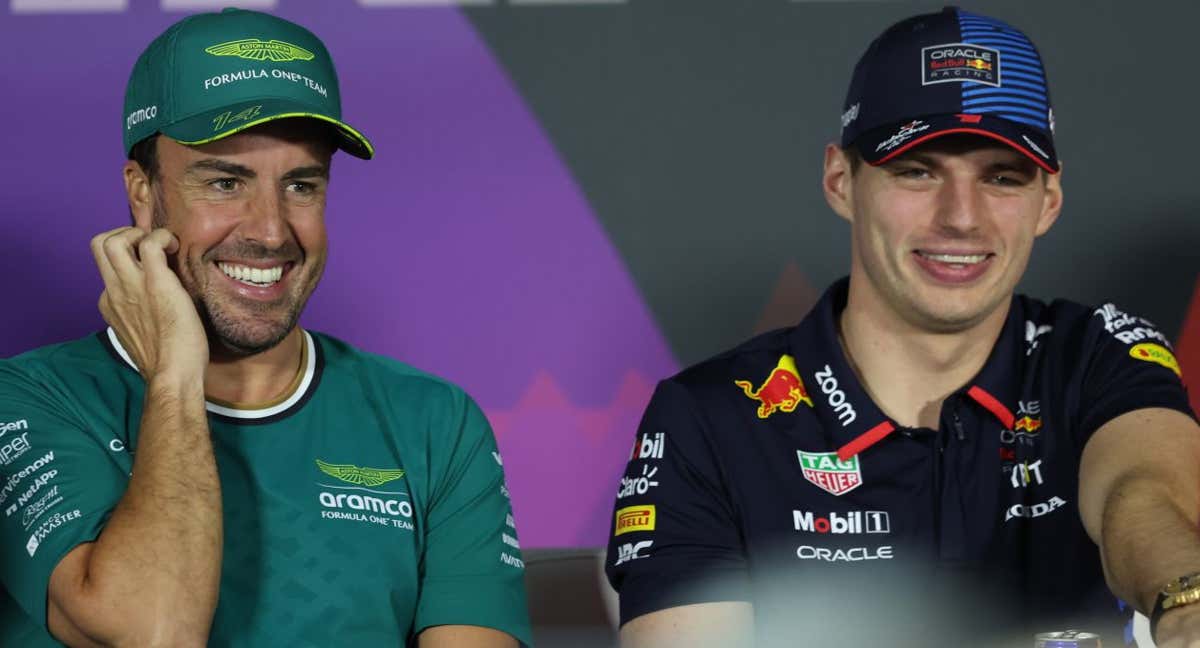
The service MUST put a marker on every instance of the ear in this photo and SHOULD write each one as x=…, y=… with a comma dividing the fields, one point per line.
x=1052, y=201
x=838, y=182
x=140, y=194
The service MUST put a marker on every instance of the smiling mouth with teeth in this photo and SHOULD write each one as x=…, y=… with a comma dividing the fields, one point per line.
x=258, y=277
x=955, y=259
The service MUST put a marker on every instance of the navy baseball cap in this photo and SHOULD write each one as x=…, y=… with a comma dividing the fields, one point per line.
x=949, y=72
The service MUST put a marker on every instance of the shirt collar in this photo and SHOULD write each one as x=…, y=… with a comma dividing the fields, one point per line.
x=997, y=386
x=850, y=418
x=297, y=393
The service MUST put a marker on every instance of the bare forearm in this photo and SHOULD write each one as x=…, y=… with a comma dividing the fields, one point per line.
x=727, y=623
x=464, y=636
x=155, y=569
x=1149, y=538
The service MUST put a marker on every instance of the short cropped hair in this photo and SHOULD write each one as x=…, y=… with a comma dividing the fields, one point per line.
x=855, y=158
x=145, y=153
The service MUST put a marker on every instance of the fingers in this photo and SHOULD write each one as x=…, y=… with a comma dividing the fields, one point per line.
x=154, y=248
x=122, y=254
x=119, y=251
x=101, y=257
x=171, y=246
x=145, y=302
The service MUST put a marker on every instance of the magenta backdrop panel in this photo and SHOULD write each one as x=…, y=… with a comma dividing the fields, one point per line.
x=465, y=248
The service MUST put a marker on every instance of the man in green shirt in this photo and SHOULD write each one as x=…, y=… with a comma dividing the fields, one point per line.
x=204, y=471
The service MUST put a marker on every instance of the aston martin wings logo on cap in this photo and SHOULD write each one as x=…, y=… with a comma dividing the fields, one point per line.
x=362, y=476
x=260, y=50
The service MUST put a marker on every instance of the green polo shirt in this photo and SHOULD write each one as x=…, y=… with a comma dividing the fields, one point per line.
x=366, y=505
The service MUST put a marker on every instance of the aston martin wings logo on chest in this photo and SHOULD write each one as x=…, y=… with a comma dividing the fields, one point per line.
x=260, y=50
x=362, y=476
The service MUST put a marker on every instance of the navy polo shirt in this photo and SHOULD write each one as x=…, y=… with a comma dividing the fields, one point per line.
x=766, y=474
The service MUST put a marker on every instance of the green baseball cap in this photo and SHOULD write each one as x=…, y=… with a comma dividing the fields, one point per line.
x=211, y=75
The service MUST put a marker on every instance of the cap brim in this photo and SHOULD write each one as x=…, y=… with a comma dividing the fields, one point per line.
x=221, y=123
x=876, y=146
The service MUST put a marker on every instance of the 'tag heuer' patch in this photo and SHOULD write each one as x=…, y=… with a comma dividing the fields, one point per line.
x=959, y=62
x=829, y=473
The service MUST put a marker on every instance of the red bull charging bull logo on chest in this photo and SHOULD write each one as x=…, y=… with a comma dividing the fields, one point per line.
x=781, y=391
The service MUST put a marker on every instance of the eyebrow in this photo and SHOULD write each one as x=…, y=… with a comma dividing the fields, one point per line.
x=1014, y=166
x=314, y=171
x=914, y=156
x=222, y=166
x=238, y=170
x=1020, y=166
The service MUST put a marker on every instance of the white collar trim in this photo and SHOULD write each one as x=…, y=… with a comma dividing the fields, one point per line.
x=310, y=371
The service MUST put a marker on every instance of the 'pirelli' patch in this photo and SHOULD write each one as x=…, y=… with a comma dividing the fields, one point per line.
x=1158, y=354
x=635, y=518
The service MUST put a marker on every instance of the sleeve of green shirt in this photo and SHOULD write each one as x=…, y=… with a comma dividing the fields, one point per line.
x=472, y=573
x=58, y=484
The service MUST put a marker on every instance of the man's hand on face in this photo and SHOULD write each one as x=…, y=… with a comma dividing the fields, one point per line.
x=146, y=304
x=1179, y=628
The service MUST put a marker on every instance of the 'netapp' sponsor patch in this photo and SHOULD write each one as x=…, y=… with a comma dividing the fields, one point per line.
x=960, y=62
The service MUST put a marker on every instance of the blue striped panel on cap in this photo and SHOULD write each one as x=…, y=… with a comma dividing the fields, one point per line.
x=1022, y=95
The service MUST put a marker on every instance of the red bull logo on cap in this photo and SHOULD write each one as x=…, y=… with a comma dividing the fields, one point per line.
x=960, y=63
x=781, y=391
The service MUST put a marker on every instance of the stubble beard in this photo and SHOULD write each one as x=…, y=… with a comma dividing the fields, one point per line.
x=239, y=337
x=247, y=328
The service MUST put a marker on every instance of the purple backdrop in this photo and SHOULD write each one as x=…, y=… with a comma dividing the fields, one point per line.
x=465, y=248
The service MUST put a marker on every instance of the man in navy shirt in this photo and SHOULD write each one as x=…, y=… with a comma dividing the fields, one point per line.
x=926, y=459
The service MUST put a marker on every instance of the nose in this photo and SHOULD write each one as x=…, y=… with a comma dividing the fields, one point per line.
x=266, y=220
x=960, y=204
